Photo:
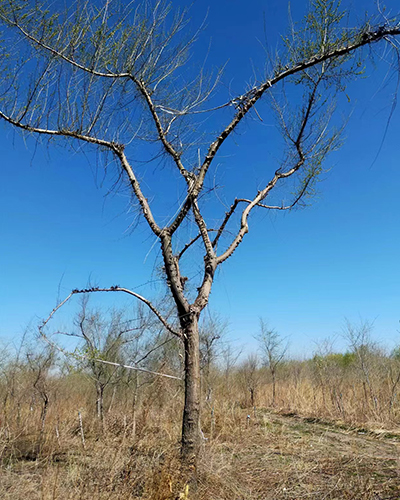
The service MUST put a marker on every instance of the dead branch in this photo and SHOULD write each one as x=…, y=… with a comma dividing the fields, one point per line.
x=115, y=289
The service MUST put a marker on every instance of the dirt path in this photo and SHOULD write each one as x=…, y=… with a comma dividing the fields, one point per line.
x=289, y=457
x=344, y=439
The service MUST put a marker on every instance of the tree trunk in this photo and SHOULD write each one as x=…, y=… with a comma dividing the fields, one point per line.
x=191, y=413
x=252, y=398
x=134, y=403
x=100, y=401
x=273, y=387
x=112, y=399
x=189, y=317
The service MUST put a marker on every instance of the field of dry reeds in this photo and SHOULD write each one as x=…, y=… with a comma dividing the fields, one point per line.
x=332, y=431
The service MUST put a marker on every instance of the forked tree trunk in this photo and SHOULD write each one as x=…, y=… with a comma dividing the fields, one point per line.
x=189, y=323
x=191, y=413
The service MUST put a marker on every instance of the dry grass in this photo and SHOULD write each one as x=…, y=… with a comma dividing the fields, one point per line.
x=270, y=456
x=276, y=454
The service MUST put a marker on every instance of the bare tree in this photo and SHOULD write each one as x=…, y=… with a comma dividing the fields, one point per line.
x=394, y=376
x=359, y=338
x=39, y=365
x=274, y=348
x=102, y=344
x=230, y=355
x=212, y=330
x=250, y=375
x=10, y=367
x=329, y=369
x=107, y=77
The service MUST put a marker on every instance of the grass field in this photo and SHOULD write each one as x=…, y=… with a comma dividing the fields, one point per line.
x=272, y=455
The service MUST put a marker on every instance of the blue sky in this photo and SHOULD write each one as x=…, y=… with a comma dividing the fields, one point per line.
x=303, y=271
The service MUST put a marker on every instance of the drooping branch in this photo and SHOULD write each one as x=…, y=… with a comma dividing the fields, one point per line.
x=97, y=360
x=148, y=303
x=57, y=53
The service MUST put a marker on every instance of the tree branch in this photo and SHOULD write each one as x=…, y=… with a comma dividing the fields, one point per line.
x=59, y=54
x=118, y=151
x=191, y=242
x=235, y=204
x=203, y=230
x=182, y=213
x=144, y=204
x=71, y=134
x=244, y=227
x=172, y=271
x=246, y=102
x=302, y=157
x=115, y=289
x=137, y=296
x=161, y=133
x=222, y=227
x=97, y=360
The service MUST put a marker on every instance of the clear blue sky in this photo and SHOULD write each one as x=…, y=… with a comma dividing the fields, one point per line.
x=302, y=271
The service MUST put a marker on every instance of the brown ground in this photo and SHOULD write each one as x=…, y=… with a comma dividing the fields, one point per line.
x=290, y=457
x=273, y=456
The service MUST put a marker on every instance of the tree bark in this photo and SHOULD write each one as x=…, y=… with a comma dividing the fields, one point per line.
x=112, y=399
x=189, y=317
x=99, y=401
x=273, y=387
x=191, y=413
x=134, y=403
